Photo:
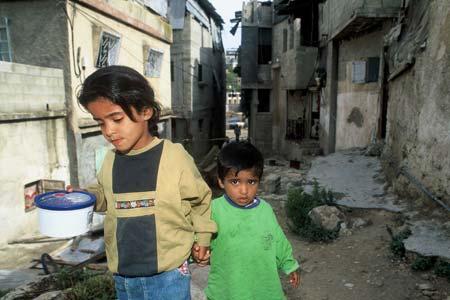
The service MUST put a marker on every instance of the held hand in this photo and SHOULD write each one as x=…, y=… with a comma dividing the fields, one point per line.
x=200, y=254
x=294, y=279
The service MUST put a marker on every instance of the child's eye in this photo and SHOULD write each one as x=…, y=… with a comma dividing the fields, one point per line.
x=252, y=181
x=234, y=181
x=117, y=120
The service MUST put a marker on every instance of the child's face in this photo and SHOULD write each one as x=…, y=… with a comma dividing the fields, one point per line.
x=240, y=187
x=118, y=129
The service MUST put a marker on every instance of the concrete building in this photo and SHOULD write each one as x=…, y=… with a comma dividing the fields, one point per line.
x=75, y=37
x=416, y=93
x=295, y=94
x=231, y=57
x=353, y=33
x=255, y=63
x=198, y=75
x=387, y=82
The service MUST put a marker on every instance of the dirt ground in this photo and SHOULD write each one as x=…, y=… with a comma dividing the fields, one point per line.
x=358, y=266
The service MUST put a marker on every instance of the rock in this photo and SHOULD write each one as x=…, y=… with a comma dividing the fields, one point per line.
x=425, y=286
x=272, y=183
x=53, y=295
x=374, y=149
x=359, y=223
x=327, y=217
x=343, y=230
x=349, y=285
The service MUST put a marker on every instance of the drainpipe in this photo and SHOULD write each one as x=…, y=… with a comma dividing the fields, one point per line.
x=420, y=186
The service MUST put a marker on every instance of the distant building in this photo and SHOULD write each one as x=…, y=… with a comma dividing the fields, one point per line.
x=231, y=58
x=198, y=75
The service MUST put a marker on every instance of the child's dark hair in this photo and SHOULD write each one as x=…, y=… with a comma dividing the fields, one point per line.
x=238, y=156
x=123, y=86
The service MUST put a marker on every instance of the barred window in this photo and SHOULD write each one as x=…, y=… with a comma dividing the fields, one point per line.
x=154, y=62
x=108, y=52
x=5, y=43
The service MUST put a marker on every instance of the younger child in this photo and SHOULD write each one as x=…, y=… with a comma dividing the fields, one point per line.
x=250, y=247
x=155, y=200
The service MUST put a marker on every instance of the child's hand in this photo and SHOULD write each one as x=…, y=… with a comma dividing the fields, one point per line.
x=294, y=279
x=71, y=189
x=200, y=254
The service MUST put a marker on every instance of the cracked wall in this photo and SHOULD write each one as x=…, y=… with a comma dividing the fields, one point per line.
x=419, y=112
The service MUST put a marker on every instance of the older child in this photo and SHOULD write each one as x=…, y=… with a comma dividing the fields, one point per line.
x=250, y=247
x=155, y=200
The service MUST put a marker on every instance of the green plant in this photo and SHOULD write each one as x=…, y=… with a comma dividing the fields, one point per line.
x=98, y=287
x=397, y=246
x=4, y=292
x=442, y=269
x=84, y=284
x=423, y=263
x=299, y=204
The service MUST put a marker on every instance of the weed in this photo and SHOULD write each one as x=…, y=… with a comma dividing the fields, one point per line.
x=423, y=263
x=4, y=292
x=442, y=269
x=98, y=287
x=397, y=246
x=300, y=203
x=85, y=284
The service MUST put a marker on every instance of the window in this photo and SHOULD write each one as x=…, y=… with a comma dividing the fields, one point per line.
x=264, y=100
x=359, y=71
x=264, y=45
x=285, y=33
x=108, y=52
x=365, y=71
x=200, y=72
x=373, y=68
x=5, y=44
x=200, y=125
x=153, y=63
x=172, y=75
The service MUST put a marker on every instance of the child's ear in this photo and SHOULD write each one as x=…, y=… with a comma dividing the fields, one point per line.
x=147, y=113
x=219, y=181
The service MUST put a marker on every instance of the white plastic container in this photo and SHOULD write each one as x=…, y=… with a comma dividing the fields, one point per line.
x=63, y=214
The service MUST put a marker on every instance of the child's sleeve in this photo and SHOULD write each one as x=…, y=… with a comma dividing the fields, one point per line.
x=97, y=190
x=100, y=202
x=195, y=190
x=285, y=259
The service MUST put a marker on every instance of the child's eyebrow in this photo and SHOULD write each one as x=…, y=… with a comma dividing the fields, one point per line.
x=117, y=113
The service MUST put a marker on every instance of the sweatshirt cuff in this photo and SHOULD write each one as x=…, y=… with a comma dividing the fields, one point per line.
x=291, y=268
x=203, y=239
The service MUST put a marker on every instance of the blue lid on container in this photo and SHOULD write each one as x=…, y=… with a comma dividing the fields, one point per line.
x=62, y=200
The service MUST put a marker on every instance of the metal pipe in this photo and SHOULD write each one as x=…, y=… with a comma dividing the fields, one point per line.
x=421, y=187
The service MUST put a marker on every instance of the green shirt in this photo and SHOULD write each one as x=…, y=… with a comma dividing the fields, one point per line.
x=247, y=253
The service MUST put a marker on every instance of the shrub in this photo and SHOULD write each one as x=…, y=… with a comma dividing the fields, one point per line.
x=299, y=204
x=423, y=263
x=443, y=269
x=397, y=246
x=85, y=284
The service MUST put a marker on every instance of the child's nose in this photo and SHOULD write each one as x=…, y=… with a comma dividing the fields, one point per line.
x=244, y=189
